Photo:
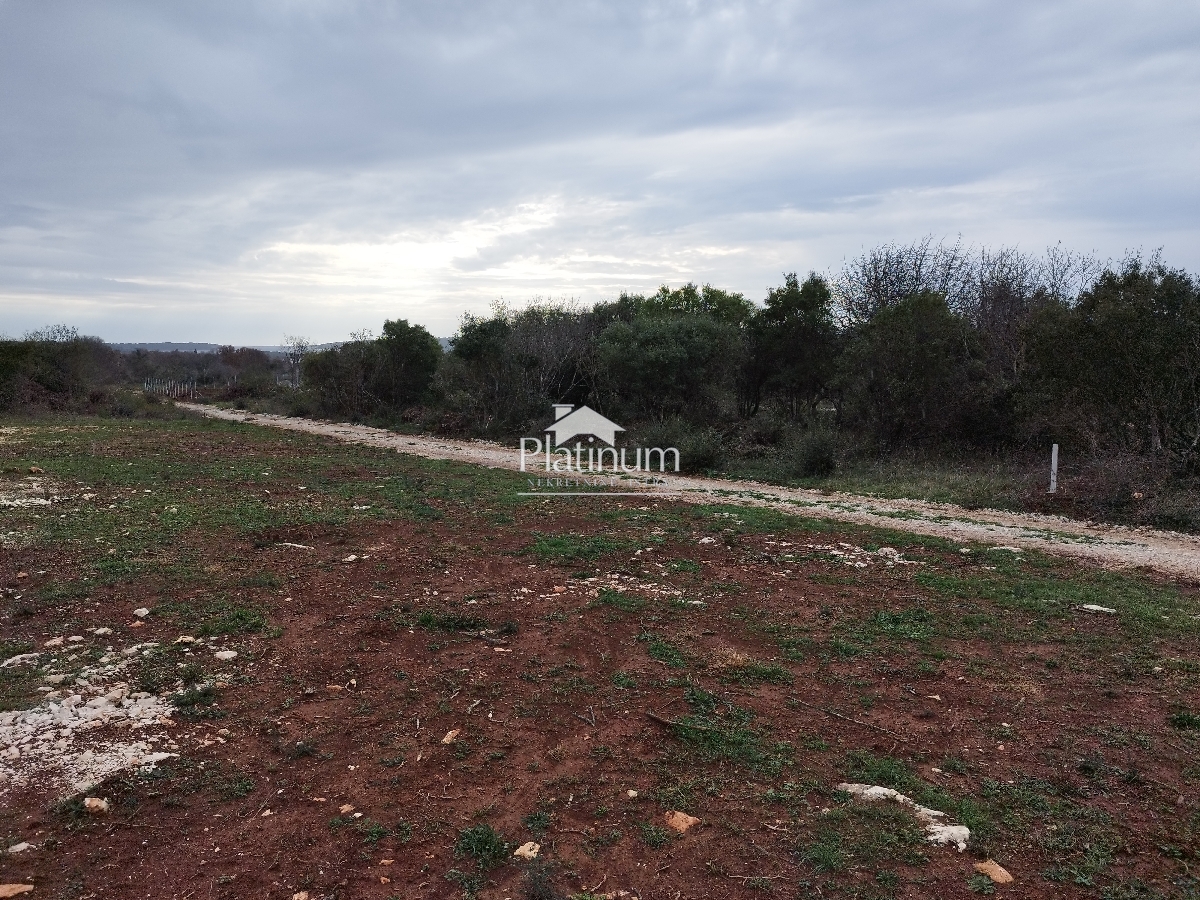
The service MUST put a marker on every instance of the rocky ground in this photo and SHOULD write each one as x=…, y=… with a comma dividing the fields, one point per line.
x=237, y=662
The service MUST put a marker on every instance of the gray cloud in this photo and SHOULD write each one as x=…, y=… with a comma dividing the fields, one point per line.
x=232, y=171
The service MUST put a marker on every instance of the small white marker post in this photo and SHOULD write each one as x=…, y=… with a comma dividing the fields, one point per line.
x=1053, y=469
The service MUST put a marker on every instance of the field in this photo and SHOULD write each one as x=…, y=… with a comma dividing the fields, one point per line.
x=395, y=671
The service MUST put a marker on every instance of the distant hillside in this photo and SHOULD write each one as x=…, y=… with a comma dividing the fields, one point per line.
x=170, y=346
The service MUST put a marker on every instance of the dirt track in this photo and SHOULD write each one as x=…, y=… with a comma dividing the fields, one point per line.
x=1113, y=546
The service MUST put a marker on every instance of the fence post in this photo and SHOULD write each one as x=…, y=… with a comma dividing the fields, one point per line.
x=1054, y=469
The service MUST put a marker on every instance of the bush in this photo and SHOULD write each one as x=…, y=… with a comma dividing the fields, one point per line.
x=814, y=455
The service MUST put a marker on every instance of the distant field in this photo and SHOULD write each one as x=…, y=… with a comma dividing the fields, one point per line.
x=431, y=671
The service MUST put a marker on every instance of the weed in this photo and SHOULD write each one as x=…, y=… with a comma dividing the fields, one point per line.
x=299, y=749
x=981, y=884
x=663, y=650
x=683, y=565
x=197, y=703
x=624, y=680
x=471, y=884
x=1184, y=720
x=483, y=844
x=653, y=835
x=538, y=822
x=450, y=622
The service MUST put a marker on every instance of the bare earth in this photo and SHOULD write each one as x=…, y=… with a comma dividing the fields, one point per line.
x=1112, y=546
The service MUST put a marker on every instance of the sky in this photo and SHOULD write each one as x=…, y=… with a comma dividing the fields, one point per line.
x=235, y=172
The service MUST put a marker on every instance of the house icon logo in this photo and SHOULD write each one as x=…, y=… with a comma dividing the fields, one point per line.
x=588, y=458
x=583, y=422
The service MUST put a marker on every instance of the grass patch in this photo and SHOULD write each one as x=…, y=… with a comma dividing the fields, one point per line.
x=568, y=548
x=622, y=601
x=450, y=622
x=483, y=845
x=716, y=729
x=663, y=650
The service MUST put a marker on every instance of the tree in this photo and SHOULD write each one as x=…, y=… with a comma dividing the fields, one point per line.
x=1121, y=367
x=295, y=349
x=406, y=357
x=794, y=343
x=912, y=371
x=679, y=365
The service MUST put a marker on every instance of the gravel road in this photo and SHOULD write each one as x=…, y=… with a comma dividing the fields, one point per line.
x=1112, y=546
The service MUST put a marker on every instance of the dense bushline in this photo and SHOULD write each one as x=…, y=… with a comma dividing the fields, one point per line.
x=918, y=347
x=916, y=350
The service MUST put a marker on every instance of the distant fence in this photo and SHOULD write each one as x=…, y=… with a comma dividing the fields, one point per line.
x=178, y=390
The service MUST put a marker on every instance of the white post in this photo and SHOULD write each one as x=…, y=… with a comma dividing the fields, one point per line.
x=1054, y=469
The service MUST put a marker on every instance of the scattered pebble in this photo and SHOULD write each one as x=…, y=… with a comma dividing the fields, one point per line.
x=95, y=805
x=451, y=735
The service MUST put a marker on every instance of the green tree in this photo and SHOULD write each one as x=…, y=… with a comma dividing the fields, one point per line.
x=794, y=343
x=678, y=365
x=1121, y=367
x=912, y=372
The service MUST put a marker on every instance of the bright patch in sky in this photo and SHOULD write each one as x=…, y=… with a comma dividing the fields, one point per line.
x=234, y=172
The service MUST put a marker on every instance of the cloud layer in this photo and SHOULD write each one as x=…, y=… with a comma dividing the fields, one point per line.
x=235, y=171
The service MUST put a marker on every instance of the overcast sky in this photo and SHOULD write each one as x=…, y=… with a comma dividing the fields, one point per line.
x=234, y=172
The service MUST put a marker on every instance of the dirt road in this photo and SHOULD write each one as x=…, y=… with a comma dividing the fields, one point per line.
x=1169, y=553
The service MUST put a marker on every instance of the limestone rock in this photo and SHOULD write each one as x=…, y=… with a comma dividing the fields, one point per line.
x=681, y=821
x=994, y=871
x=528, y=850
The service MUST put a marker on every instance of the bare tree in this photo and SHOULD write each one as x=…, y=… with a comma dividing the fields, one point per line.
x=295, y=349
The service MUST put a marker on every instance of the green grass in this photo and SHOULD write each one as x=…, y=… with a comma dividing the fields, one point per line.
x=619, y=600
x=450, y=622
x=1145, y=609
x=663, y=650
x=755, y=672
x=717, y=729
x=483, y=845
x=573, y=548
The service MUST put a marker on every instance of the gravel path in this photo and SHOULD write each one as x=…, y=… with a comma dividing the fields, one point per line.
x=1112, y=546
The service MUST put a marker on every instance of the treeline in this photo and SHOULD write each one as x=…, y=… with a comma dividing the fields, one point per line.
x=921, y=346
x=56, y=368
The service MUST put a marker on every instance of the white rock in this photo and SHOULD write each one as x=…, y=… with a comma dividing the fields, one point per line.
x=1093, y=608
x=935, y=831
x=528, y=850
x=101, y=632
x=141, y=612
x=225, y=655
x=21, y=659
x=21, y=847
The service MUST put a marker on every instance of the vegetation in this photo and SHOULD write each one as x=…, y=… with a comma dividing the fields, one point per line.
x=909, y=356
